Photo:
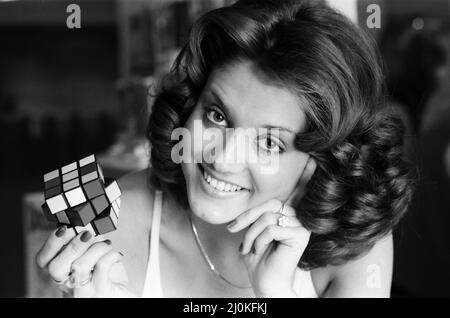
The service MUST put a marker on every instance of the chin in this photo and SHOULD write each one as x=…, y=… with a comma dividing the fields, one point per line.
x=210, y=204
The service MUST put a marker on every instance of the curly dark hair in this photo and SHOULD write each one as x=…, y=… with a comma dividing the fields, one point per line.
x=362, y=185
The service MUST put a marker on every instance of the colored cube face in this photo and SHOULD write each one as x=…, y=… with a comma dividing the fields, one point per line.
x=76, y=195
x=71, y=185
x=57, y=203
x=48, y=214
x=100, y=204
x=54, y=197
x=60, y=217
x=52, y=192
x=94, y=188
x=112, y=191
x=81, y=215
x=106, y=222
x=69, y=168
x=92, y=176
x=70, y=176
x=51, y=179
x=87, y=160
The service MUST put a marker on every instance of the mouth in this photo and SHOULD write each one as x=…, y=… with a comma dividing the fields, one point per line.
x=219, y=186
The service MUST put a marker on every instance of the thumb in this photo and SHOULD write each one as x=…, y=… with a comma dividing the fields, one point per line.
x=101, y=274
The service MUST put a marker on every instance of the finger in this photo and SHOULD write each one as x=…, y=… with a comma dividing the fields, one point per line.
x=100, y=276
x=55, y=242
x=293, y=238
x=82, y=267
x=260, y=225
x=59, y=268
x=308, y=172
x=251, y=215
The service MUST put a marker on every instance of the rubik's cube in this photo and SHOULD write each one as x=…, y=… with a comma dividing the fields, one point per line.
x=79, y=196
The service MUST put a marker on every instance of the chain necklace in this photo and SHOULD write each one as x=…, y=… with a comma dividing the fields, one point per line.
x=208, y=260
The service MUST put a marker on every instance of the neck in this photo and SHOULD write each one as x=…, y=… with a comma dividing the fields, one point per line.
x=222, y=248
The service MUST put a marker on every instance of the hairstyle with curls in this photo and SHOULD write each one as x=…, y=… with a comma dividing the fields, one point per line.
x=362, y=185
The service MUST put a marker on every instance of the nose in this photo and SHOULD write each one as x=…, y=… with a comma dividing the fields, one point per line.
x=232, y=156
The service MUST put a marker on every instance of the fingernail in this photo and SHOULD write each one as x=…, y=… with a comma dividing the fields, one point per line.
x=231, y=225
x=240, y=248
x=107, y=242
x=60, y=232
x=86, y=236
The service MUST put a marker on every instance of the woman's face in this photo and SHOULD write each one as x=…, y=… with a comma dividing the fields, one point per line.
x=236, y=97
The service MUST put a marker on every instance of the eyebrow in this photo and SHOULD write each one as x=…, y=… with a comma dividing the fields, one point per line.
x=227, y=113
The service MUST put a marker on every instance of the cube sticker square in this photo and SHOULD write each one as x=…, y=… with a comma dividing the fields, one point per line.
x=69, y=167
x=75, y=197
x=71, y=184
x=69, y=176
x=81, y=215
x=57, y=203
x=106, y=222
x=52, y=192
x=62, y=217
x=100, y=204
x=94, y=188
x=85, y=161
x=112, y=191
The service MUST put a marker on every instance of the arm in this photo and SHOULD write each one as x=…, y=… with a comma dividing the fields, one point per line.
x=369, y=276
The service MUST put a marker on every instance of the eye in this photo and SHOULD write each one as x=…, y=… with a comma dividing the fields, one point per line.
x=270, y=144
x=216, y=117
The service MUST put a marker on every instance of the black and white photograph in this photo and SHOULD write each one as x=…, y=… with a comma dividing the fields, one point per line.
x=225, y=149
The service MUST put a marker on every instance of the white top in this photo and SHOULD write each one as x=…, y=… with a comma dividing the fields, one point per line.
x=303, y=284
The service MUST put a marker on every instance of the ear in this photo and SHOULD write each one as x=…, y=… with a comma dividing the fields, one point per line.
x=307, y=174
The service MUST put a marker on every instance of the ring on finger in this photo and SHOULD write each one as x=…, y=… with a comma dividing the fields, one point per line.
x=75, y=283
x=61, y=282
x=283, y=221
x=75, y=280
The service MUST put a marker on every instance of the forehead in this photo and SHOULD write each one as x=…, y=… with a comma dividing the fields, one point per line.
x=252, y=100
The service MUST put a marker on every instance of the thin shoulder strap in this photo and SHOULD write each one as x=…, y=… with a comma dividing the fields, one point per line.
x=152, y=284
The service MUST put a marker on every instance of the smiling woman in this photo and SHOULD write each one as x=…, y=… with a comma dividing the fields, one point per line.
x=245, y=102
x=307, y=82
x=304, y=68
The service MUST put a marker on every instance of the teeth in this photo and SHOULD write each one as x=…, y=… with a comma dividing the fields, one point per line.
x=220, y=185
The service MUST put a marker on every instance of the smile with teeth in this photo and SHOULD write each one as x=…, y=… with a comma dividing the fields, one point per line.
x=220, y=185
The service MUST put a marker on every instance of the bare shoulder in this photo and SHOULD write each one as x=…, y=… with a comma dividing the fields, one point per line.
x=136, y=206
x=367, y=276
x=132, y=235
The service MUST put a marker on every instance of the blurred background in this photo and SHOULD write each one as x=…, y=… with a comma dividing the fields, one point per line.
x=66, y=93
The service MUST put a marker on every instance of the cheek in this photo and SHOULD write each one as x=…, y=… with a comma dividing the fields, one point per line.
x=283, y=182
